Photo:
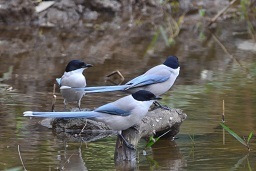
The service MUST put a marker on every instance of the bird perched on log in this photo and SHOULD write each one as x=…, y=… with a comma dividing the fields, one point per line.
x=118, y=115
x=73, y=77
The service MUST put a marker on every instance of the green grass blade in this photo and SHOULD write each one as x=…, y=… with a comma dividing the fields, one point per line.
x=192, y=139
x=234, y=134
x=152, y=141
x=249, y=165
x=153, y=41
x=249, y=137
x=164, y=35
x=202, y=12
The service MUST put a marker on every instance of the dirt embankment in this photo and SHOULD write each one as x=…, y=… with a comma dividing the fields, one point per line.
x=73, y=12
x=67, y=13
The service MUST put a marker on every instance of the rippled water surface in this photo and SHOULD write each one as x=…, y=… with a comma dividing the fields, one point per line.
x=30, y=64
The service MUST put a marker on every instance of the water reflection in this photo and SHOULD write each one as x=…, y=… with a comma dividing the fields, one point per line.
x=208, y=149
x=32, y=59
x=164, y=155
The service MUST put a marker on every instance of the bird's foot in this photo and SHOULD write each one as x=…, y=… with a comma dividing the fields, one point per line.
x=158, y=105
x=131, y=146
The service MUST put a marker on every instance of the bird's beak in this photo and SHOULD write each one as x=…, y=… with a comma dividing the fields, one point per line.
x=88, y=65
x=157, y=98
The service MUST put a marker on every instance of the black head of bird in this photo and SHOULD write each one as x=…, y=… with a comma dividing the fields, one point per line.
x=172, y=62
x=144, y=95
x=76, y=64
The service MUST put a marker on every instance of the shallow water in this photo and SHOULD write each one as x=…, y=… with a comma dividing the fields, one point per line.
x=29, y=66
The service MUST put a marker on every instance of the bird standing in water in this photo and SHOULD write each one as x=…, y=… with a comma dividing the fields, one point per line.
x=73, y=77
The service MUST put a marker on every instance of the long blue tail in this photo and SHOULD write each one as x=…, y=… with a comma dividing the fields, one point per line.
x=86, y=114
x=98, y=89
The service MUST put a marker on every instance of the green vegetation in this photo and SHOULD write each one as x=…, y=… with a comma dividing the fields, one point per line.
x=246, y=7
x=237, y=137
x=153, y=140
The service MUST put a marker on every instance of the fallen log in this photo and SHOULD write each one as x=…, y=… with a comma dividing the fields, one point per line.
x=156, y=122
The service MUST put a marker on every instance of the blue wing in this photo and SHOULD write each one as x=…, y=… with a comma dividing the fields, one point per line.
x=112, y=110
x=146, y=80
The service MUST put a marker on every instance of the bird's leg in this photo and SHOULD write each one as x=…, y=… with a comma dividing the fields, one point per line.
x=79, y=104
x=65, y=105
x=157, y=104
x=125, y=141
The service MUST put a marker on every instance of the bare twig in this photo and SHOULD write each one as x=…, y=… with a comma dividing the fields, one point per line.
x=227, y=52
x=83, y=128
x=67, y=161
x=21, y=158
x=223, y=111
x=164, y=133
x=223, y=120
x=221, y=12
x=116, y=72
